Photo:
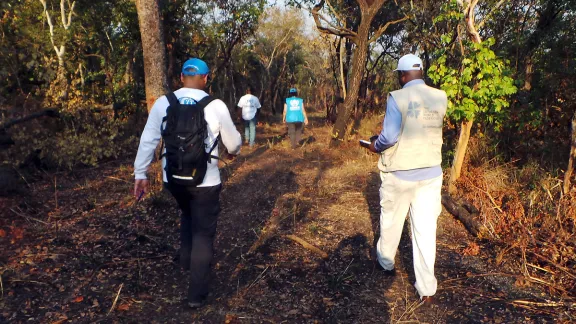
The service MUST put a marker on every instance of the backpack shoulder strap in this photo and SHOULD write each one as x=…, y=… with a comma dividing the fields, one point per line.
x=172, y=103
x=172, y=99
x=205, y=101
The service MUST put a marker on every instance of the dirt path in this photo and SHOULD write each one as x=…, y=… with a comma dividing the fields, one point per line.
x=67, y=257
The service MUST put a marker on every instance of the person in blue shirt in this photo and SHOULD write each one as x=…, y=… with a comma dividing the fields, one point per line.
x=410, y=146
x=294, y=116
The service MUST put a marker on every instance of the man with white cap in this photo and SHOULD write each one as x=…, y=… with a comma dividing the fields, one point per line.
x=410, y=145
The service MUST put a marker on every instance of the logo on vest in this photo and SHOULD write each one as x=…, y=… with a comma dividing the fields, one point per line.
x=413, y=110
x=187, y=101
x=294, y=105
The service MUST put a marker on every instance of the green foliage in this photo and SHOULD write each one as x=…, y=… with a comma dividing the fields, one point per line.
x=476, y=81
x=82, y=138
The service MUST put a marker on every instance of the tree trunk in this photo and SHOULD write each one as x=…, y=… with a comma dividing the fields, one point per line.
x=151, y=32
x=467, y=214
x=529, y=74
x=570, y=168
x=462, y=146
x=459, y=155
x=358, y=66
x=342, y=74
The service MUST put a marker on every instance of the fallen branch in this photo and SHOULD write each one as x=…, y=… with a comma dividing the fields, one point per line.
x=115, y=299
x=467, y=218
x=260, y=276
x=547, y=304
x=31, y=281
x=489, y=197
x=118, y=179
x=545, y=283
x=307, y=245
x=46, y=112
x=538, y=304
x=482, y=275
x=564, y=269
x=29, y=217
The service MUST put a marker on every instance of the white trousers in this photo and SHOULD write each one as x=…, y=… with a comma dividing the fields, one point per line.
x=423, y=200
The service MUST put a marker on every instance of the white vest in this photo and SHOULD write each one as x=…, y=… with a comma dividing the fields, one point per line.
x=420, y=141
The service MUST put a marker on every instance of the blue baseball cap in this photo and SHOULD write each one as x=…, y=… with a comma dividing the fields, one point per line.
x=293, y=90
x=195, y=66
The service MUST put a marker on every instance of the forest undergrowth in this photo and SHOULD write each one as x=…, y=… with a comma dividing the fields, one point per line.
x=295, y=244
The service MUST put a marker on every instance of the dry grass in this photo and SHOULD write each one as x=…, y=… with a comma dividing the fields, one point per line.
x=528, y=214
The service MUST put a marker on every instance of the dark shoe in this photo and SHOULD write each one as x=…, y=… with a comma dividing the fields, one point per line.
x=195, y=304
x=386, y=272
x=428, y=301
x=389, y=273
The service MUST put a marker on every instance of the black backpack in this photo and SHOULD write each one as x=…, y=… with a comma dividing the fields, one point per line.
x=184, y=130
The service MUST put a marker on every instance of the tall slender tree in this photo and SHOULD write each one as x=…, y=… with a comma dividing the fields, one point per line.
x=364, y=32
x=152, y=34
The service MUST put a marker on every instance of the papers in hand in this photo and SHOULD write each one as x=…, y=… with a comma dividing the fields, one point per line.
x=364, y=143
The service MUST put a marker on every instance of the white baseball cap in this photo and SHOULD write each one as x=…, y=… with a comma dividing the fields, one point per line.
x=409, y=62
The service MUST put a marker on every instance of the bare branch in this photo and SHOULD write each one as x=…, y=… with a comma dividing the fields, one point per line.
x=66, y=22
x=330, y=29
x=49, y=21
x=70, y=13
x=459, y=36
x=63, y=13
x=382, y=29
x=496, y=7
x=470, y=22
x=341, y=21
x=276, y=48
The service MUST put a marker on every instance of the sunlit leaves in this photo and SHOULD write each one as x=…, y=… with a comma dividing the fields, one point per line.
x=477, y=82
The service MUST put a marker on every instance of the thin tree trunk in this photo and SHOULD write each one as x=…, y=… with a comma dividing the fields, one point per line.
x=460, y=154
x=462, y=146
x=358, y=65
x=151, y=32
x=570, y=168
x=529, y=74
x=342, y=74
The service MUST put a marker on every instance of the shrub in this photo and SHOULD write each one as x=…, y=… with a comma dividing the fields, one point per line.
x=80, y=138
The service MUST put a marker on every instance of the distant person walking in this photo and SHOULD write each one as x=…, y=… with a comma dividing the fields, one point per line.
x=250, y=106
x=190, y=121
x=410, y=145
x=294, y=116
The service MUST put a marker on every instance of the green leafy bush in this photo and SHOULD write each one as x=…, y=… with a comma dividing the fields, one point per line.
x=81, y=138
x=476, y=80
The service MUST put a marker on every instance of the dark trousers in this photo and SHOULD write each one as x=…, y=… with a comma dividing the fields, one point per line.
x=295, y=133
x=200, y=207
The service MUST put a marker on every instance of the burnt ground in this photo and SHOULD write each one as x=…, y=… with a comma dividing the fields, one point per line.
x=76, y=248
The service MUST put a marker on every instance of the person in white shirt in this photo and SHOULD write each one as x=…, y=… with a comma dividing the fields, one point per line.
x=200, y=205
x=250, y=106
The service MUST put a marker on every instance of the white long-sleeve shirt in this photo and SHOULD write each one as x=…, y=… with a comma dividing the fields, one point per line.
x=219, y=123
x=250, y=105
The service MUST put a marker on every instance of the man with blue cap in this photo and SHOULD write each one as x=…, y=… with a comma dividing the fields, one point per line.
x=410, y=147
x=294, y=116
x=200, y=202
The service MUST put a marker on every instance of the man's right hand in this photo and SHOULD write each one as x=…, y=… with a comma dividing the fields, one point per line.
x=141, y=187
x=372, y=148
